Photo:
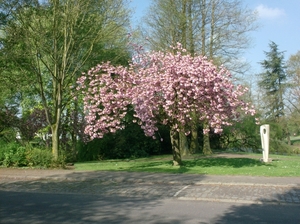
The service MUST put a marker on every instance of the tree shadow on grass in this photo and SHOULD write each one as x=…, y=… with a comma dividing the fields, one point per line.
x=188, y=165
x=224, y=162
x=155, y=166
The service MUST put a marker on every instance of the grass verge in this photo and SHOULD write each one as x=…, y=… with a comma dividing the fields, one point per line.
x=220, y=164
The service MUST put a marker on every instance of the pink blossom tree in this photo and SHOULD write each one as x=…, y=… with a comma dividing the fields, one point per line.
x=173, y=89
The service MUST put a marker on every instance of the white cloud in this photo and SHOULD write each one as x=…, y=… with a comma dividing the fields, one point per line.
x=269, y=13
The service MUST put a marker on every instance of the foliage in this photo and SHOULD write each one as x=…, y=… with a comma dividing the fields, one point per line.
x=49, y=43
x=272, y=81
x=292, y=95
x=216, y=29
x=31, y=123
x=280, y=147
x=8, y=121
x=128, y=143
x=27, y=126
x=170, y=85
x=39, y=158
x=163, y=88
x=242, y=135
x=12, y=154
x=293, y=73
x=15, y=155
x=295, y=140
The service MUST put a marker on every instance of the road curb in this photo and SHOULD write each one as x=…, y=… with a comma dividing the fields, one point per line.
x=240, y=201
x=143, y=181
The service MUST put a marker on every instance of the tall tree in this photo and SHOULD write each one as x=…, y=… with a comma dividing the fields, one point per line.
x=217, y=29
x=293, y=73
x=292, y=95
x=272, y=81
x=51, y=42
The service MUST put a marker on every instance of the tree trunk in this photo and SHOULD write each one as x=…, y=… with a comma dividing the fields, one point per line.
x=194, y=147
x=288, y=136
x=183, y=24
x=190, y=29
x=174, y=134
x=206, y=143
x=289, y=140
x=55, y=141
x=183, y=144
x=74, y=129
x=56, y=118
x=212, y=30
x=203, y=29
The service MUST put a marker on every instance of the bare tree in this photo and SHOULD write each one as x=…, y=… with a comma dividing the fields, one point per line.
x=293, y=75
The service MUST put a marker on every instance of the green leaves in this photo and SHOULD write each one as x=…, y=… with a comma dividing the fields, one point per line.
x=272, y=81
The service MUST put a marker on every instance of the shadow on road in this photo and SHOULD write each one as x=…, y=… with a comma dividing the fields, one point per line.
x=264, y=212
x=20, y=207
x=101, y=200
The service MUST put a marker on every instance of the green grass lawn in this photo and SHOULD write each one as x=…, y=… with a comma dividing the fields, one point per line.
x=237, y=164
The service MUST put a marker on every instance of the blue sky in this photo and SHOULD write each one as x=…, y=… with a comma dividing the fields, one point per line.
x=279, y=22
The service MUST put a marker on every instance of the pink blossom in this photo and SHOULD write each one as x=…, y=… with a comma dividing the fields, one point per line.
x=161, y=88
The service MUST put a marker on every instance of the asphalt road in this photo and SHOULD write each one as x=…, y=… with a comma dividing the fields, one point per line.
x=62, y=196
x=51, y=207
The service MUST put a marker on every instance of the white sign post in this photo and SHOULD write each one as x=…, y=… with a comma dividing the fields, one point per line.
x=265, y=136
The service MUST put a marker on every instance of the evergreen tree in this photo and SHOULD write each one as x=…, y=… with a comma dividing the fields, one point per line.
x=272, y=81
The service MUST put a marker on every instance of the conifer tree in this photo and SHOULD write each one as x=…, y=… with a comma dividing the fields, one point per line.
x=272, y=81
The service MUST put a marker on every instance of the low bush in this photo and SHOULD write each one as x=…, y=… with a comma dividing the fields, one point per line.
x=280, y=147
x=39, y=158
x=128, y=143
x=295, y=142
x=12, y=154
x=15, y=155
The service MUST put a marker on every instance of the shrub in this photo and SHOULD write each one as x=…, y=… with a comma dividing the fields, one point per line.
x=280, y=147
x=12, y=154
x=60, y=162
x=295, y=142
x=128, y=143
x=3, y=147
x=241, y=136
x=39, y=158
x=15, y=158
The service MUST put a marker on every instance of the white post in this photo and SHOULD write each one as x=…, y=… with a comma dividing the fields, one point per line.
x=265, y=136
